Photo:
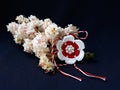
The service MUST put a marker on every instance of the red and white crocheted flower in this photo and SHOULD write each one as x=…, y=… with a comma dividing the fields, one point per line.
x=70, y=50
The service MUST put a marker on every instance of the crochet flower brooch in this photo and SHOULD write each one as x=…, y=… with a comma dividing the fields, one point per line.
x=70, y=50
x=50, y=42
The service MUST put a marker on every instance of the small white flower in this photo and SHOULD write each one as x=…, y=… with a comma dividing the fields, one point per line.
x=12, y=27
x=70, y=29
x=70, y=50
x=35, y=22
x=33, y=18
x=52, y=31
x=39, y=43
x=46, y=23
x=21, y=19
x=45, y=63
x=22, y=31
x=22, y=28
x=31, y=33
x=28, y=47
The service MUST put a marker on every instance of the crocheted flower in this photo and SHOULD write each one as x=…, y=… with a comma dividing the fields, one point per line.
x=70, y=50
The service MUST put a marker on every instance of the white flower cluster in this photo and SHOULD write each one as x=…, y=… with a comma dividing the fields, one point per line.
x=36, y=36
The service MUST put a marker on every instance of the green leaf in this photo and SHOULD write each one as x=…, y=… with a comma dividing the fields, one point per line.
x=89, y=56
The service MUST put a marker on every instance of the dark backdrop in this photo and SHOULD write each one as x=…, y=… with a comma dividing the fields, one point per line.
x=101, y=18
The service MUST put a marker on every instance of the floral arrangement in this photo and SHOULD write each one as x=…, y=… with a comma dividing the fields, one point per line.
x=48, y=41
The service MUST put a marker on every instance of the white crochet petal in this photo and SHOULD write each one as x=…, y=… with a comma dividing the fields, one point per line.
x=81, y=56
x=80, y=44
x=59, y=44
x=60, y=56
x=70, y=61
x=68, y=38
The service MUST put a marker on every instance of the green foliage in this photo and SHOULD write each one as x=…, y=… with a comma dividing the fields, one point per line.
x=89, y=56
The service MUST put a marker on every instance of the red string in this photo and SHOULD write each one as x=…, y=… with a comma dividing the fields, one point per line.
x=66, y=74
x=52, y=49
x=89, y=74
x=86, y=34
x=61, y=64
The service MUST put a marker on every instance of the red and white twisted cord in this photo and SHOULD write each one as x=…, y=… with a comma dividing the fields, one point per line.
x=85, y=37
x=66, y=74
x=89, y=74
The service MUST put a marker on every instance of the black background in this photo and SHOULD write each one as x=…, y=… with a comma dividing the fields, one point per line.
x=101, y=18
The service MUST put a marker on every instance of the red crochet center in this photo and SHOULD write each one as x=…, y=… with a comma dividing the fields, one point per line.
x=76, y=49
